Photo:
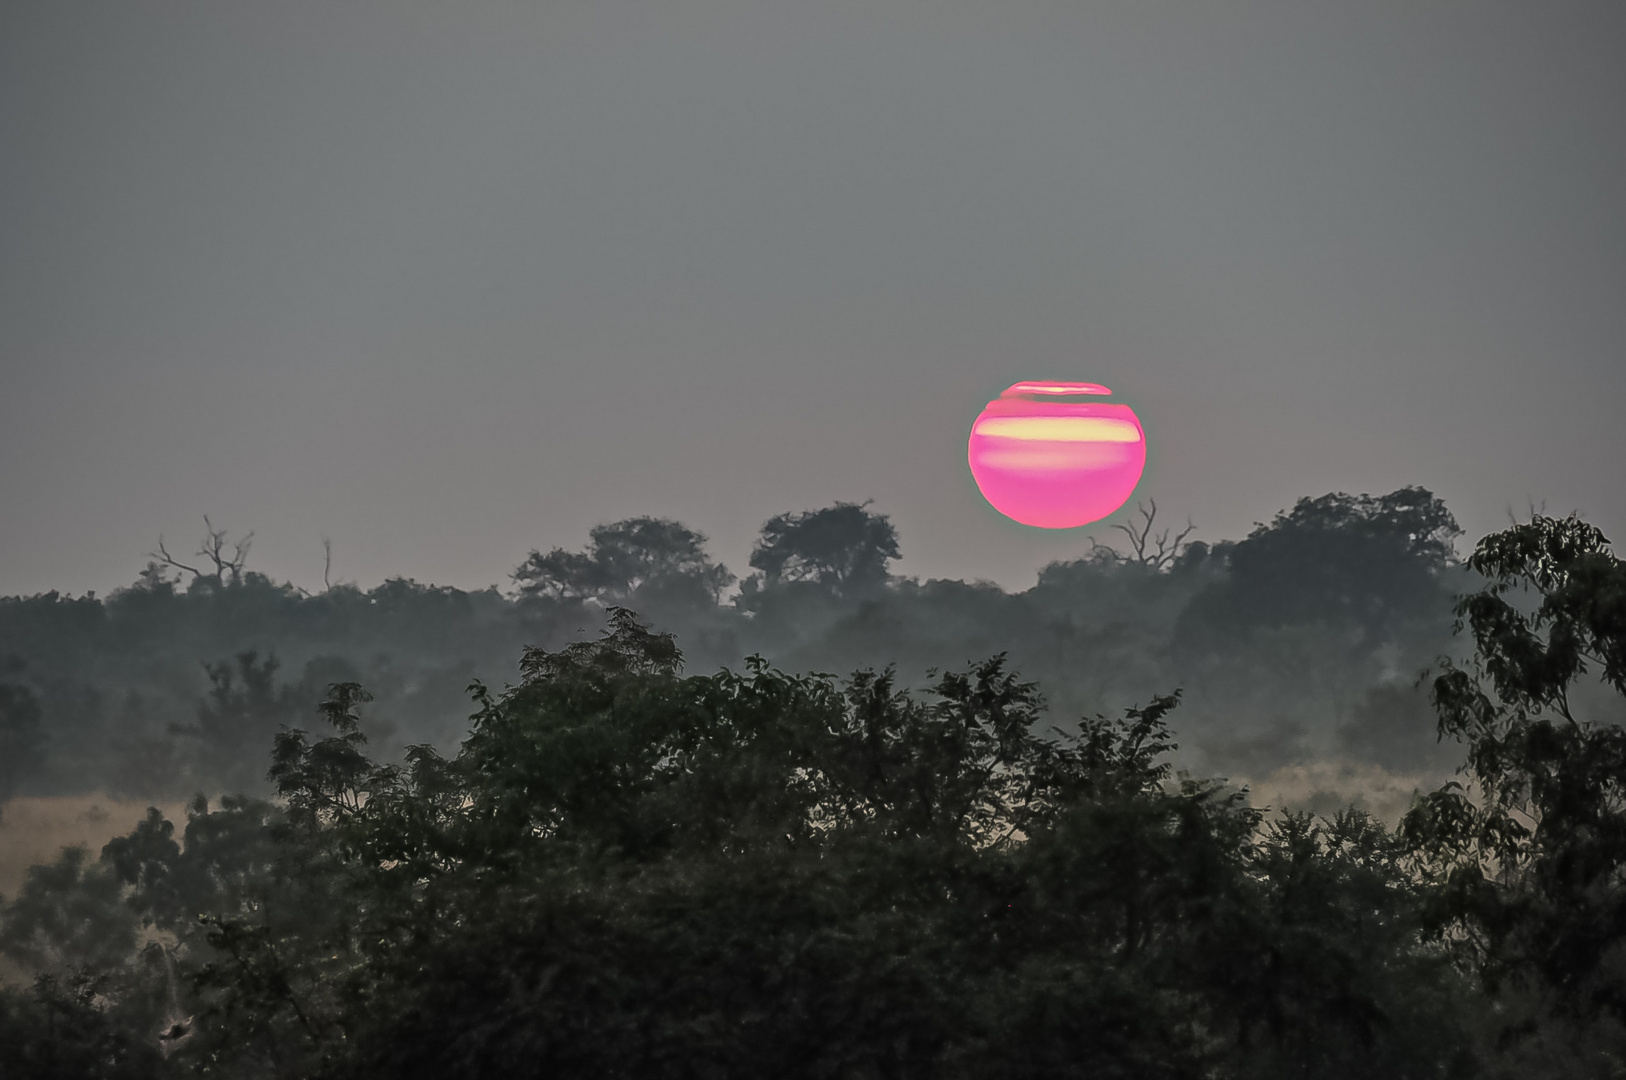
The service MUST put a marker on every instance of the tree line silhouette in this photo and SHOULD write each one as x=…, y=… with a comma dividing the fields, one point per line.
x=629, y=870
x=1302, y=640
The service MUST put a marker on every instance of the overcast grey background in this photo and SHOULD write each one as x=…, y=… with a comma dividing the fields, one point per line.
x=446, y=282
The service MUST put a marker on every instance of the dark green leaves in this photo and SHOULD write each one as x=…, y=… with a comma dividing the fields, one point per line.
x=1548, y=825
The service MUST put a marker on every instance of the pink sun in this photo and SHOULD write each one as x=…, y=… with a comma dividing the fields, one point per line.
x=1056, y=455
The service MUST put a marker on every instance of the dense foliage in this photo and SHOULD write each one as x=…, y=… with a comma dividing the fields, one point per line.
x=1300, y=640
x=630, y=871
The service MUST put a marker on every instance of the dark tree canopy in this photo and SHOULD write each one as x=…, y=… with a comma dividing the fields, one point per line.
x=625, y=869
x=1373, y=563
x=21, y=736
x=627, y=561
x=1532, y=861
x=845, y=549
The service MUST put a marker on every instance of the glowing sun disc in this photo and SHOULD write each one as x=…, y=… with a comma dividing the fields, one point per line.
x=1055, y=455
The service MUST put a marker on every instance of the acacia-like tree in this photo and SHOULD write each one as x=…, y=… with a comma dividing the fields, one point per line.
x=844, y=549
x=636, y=560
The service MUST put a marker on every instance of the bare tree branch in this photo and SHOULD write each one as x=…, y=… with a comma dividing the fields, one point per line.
x=213, y=548
x=327, y=563
x=1157, y=550
x=1100, y=552
x=163, y=556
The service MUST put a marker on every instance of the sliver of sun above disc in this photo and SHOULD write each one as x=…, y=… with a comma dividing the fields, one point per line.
x=1056, y=455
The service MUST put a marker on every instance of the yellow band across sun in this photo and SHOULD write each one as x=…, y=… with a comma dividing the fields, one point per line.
x=1059, y=429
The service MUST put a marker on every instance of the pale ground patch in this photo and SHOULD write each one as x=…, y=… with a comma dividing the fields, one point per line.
x=34, y=830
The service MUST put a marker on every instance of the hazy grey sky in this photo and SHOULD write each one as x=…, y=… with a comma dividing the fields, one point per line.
x=450, y=281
